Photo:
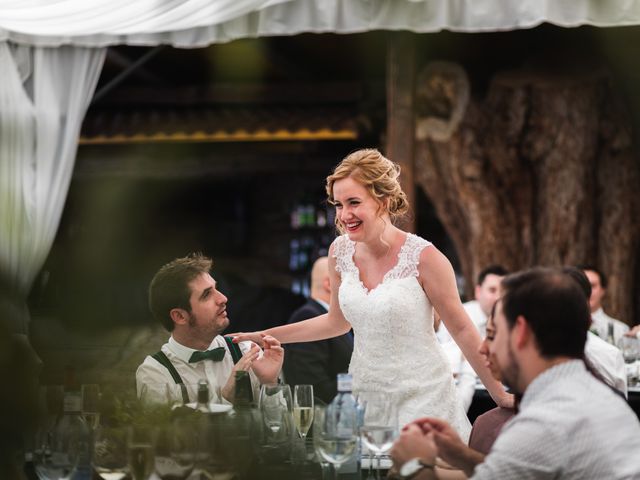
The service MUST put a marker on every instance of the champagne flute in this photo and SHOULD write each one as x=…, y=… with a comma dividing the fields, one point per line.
x=303, y=408
x=380, y=423
x=335, y=435
x=140, y=452
x=110, y=453
x=91, y=404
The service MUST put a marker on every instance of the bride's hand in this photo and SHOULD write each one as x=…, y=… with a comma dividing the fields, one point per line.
x=255, y=337
x=506, y=401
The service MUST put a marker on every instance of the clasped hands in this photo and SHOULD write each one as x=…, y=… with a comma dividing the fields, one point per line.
x=430, y=438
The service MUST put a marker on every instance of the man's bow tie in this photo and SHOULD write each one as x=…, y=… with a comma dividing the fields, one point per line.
x=216, y=355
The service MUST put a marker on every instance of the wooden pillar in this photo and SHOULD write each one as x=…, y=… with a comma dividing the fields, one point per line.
x=401, y=70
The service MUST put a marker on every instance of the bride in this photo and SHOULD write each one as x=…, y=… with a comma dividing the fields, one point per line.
x=385, y=283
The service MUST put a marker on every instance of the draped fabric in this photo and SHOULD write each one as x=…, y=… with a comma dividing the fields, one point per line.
x=44, y=95
x=191, y=23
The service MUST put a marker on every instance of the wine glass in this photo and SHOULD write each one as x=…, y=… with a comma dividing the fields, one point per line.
x=303, y=408
x=275, y=405
x=335, y=435
x=110, y=452
x=140, y=451
x=91, y=404
x=380, y=423
x=175, y=450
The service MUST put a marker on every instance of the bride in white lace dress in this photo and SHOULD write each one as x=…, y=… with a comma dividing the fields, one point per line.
x=385, y=284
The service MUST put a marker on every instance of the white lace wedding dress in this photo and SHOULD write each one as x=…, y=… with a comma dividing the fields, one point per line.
x=395, y=346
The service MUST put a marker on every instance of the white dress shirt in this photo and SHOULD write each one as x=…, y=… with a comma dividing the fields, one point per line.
x=607, y=360
x=570, y=426
x=465, y=375
x=601, y=322
x=154, y=374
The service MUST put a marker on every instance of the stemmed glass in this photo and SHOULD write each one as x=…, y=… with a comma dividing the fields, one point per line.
x=110, y=452
x=140, y=451
x=303, y=408
x=275, y=405
x=175, y=450
x=91, y=404
x=380, y=423
x=335, y=435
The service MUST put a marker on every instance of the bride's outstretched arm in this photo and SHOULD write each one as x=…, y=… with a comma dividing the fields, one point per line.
x=331, y=324
x=438, y=281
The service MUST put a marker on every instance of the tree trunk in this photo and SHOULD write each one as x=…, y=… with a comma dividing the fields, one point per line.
x=540, y=172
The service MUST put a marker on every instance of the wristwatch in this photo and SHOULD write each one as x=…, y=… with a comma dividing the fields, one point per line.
x=412, y=467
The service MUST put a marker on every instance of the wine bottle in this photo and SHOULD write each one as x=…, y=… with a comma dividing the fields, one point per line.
x=243, y=397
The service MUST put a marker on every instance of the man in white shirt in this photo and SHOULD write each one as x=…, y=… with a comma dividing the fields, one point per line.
x=486, y=293
x=601, y=321
x=183, y=297
x=570, y=425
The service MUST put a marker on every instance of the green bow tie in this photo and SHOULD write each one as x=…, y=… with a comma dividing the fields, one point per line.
x=216, y=355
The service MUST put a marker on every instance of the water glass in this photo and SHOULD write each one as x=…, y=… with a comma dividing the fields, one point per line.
x=303, y=408
x=110, y=452
x=175, y=450
x=380, y=422
x=335, y=435
x=276, y=409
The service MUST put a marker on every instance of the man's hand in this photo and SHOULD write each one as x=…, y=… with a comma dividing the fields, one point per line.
x=229, y=388
x=635, y=331
x=413, y=443
x=269, y=365
x=450, y=446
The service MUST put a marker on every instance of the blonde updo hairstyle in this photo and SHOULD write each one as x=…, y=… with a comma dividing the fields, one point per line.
x=378, y=175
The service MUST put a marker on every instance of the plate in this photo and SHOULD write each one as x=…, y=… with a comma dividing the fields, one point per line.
x=214, y=407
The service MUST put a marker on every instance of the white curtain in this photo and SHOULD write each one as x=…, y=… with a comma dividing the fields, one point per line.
x=44, y=94
x=190, y=23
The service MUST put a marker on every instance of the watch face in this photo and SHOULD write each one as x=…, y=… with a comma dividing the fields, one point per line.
x=410, y=467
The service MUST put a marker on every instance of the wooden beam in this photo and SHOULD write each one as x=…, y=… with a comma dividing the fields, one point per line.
x=336, y=92
x=401, y=72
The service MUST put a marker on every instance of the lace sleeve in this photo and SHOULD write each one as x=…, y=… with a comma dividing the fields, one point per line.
x=409, y=256
x=342, y=252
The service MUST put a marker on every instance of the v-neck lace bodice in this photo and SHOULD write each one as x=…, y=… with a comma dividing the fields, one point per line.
x=395, y=347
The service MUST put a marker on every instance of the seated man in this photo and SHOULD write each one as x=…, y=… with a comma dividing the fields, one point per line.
x=541, y=326
x=486, y=293
x=318, y=363
x=184, y=299
x=606, y=327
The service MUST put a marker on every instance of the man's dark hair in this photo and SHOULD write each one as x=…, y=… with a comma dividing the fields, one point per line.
x=579, y=276
x=169, y=288
x=554, y=307
x=498, y=270
x=593, y=268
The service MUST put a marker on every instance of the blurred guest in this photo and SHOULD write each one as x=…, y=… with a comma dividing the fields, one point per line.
x=605, y=359
x=184, y=298
x=486, y=293
x=318, y=363
x=569, y=425
x=602, y=323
